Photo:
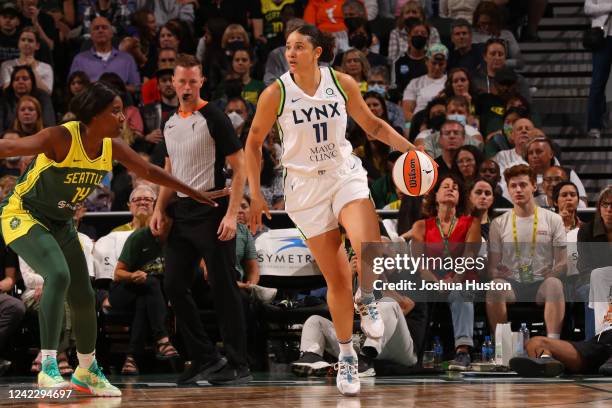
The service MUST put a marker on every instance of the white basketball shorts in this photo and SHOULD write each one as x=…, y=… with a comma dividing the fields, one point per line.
x=313, y=202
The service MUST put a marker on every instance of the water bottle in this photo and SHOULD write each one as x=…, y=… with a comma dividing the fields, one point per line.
x=438, y=351
x=525, y=332
x=487, y=350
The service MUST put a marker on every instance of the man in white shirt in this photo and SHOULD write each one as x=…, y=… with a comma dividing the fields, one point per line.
x=521, y=130
x=527, y=248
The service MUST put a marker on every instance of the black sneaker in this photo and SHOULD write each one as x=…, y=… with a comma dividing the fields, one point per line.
x=365, y=367
x=606, y=368
x=230, y=375
x=536, y=367
x=461, y=362
x=198, y=371
x=4, y=366
x=310, y=364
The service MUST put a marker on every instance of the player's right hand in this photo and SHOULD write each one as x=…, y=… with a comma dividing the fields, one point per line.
x=159, y=223
x=258, y=206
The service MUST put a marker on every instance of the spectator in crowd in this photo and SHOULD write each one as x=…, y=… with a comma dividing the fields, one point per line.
x=400, y=37
x=11, y=165
x=275, y=15
x=7, y=183
x=77, y=81
x=452, y=137
x=423, y=89
x=490, y=171
x=552, y=176
x=466, y=163
x=28, y=45
x=593, y=253
x=383, y=189
x=166, y=10
x=137, y=287
x=446, y=224
x=361, y=38
x=9, y=35
x=379, y=107
x=234, y=37
x=355, y=64
x=43, y=23
x=271, y=181
x=497, y=71
x=411, y=64
x=23, y=82
x=171, y=36
x=464, y=54
x=535, y=263
x=34, y=287
x=144, y=27
x=276, y=63
x=458, y=9
x=432, y=118
x=150, y=93
x=480, y=198
x=244, y=213
x=488, y=24
x=102, y=57
x=550, y=357
x=12, y=309
x=116, y=11
x=502, y=139
x=141, y=205
x=456, y=109
x=328, y=17
x=319, y=337
x=238, y=111
x=240, y=70
x=540, y=156
x=155, y=114
x=28, y=120
x=378, y=81
x=521, y=130
x=458, y=83
x=565, y=198
x=599, y=12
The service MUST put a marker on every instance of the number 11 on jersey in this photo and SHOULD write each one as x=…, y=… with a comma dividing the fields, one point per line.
x=317, y=127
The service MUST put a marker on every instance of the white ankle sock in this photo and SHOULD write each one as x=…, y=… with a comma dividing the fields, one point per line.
x=48, y=353
x=346, y=349
x=85, y=360
x=553, y=336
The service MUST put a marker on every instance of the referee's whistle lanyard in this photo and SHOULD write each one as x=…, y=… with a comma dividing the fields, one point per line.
x=526, y=268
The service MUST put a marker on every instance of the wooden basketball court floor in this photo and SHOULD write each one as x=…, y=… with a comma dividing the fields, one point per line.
x=285, y=390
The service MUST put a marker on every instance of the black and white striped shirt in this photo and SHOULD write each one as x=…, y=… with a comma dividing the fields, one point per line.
x=197, y=146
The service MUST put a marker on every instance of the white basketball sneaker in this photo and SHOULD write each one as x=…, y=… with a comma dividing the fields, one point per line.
x=371, y=323
x=347, y=379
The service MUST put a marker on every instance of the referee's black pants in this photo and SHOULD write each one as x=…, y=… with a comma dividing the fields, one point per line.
x=194, y=236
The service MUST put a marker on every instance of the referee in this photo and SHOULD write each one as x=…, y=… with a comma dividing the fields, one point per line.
x=198, y=139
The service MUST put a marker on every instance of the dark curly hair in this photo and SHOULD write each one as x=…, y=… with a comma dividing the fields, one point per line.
x=430, y=206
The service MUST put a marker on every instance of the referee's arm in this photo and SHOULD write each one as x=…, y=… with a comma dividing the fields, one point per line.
x=227, y=228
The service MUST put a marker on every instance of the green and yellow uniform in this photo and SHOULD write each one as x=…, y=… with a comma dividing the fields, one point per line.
x=36, y=222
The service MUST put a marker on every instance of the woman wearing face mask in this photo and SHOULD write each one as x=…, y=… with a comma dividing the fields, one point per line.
x=360, y=37
x=399, y=39
x=430, y=120
x=501, y=139
x=238, y=112
x=378, y=81
x=411, y=64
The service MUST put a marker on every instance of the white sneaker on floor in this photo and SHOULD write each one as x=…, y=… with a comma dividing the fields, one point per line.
x=266, y=295
x=347, y=379
x=594, y=133
x=371, y=323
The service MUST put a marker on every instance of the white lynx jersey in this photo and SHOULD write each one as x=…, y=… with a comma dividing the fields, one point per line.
x=313, y=128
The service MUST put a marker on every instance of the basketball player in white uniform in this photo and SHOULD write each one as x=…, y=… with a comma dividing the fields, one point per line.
x=325, y=184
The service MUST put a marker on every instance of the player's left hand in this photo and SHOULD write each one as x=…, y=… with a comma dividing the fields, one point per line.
x=227, y=228
x=209, y=196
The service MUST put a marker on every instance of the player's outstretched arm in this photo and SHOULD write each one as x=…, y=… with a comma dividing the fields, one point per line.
x=376, y=127
x=265, y=116
x=47, y=141
x=142, y=168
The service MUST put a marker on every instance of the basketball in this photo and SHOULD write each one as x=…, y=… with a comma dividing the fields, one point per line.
x=415, y=173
